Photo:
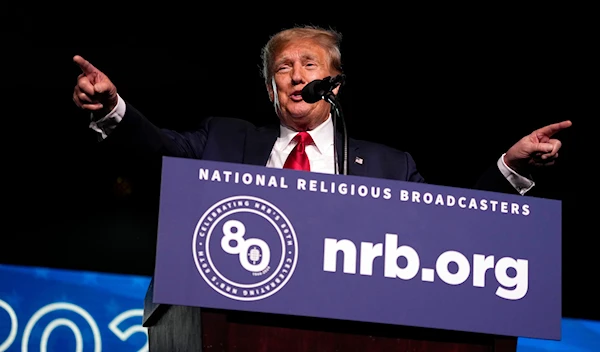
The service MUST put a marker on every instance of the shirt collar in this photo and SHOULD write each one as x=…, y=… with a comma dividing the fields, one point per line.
x=322, y=135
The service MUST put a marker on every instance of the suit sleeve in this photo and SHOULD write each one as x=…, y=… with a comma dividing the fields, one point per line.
x=494, y=181
x=412, y=173
x=137, y=136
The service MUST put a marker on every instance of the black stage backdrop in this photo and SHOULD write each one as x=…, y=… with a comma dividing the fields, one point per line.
x=455, y=91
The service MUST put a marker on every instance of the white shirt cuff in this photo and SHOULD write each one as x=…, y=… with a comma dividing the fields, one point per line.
x=105, y=125
x=520, y=183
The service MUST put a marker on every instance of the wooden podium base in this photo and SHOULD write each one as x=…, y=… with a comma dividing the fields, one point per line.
x=191, y=329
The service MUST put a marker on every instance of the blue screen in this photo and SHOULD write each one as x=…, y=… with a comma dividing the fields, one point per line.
x=61, y=310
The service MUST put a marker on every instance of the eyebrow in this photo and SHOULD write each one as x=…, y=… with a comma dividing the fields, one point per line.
x=303, y=57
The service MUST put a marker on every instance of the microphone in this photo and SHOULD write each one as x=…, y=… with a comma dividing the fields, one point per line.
x=322, y=89
x=319, y=88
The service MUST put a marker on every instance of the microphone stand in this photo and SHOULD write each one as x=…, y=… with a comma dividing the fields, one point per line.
x=336, y=113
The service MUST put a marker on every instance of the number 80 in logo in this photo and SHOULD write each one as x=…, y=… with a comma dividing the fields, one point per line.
x=245, y=248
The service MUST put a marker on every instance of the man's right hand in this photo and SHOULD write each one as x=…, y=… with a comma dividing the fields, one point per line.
x=94, y=91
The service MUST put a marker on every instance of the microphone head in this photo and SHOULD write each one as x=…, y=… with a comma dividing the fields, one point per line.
x=315, y=90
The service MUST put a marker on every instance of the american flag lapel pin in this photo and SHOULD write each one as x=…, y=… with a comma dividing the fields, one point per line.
x=358, y=160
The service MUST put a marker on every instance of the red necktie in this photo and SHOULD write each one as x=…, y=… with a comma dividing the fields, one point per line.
x=297, y=159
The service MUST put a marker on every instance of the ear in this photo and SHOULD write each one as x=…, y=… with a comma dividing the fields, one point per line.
x=270, y=91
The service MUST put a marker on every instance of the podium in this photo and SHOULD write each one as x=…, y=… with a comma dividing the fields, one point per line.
x=184, y=328
x=256, y=259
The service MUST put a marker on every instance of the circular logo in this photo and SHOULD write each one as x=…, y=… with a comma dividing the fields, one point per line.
x=245, y=248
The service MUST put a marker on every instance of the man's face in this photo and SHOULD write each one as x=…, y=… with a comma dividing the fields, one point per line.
x=296, y=65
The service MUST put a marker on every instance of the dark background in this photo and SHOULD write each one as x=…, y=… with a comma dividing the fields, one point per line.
x=455, y=87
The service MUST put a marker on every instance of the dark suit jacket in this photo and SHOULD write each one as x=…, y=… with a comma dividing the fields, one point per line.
x=238, y=141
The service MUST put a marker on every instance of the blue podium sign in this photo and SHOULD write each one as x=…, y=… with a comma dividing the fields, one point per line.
x=279, y=241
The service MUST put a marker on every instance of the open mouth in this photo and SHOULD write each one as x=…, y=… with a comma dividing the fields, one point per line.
x=296, y=95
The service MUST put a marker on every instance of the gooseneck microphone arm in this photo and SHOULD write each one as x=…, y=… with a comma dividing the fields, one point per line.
x=336, y=113
x=323, y=89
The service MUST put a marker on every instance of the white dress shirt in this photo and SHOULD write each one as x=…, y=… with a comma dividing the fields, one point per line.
x=320, y=155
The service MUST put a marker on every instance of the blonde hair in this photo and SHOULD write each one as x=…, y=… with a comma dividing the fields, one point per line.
x=329, y=39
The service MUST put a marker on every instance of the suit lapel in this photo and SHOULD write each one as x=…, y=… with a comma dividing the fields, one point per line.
x=356, y=162
x=258, y=145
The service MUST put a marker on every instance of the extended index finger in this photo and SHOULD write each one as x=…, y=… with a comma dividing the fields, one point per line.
x=85, y=65
x=554, y=128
